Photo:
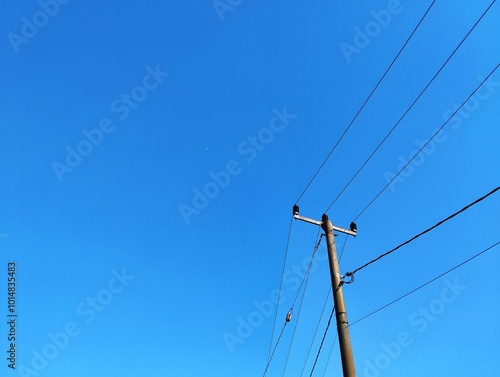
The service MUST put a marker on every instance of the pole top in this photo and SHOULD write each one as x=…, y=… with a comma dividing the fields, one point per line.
x=324, y=223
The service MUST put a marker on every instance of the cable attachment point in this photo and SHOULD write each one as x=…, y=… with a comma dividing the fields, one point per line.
x=348, y=275
x=289, y=316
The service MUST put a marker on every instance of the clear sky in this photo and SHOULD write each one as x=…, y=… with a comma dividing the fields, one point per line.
x=151, y=155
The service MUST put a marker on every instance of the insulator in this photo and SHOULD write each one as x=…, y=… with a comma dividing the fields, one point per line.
x=354, y=227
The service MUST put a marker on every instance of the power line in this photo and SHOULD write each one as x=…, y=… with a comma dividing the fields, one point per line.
x=295, y=327
x=424, y=232
x=322, y=341
x=427, y=283
x=411, y=106
x=308, y=269
x=420, y=287
x=330, y=355
x=281, y=284
x=365, y=102
x=343, y=247
x=301, y=302
x=289, y=314
x=412, y=291
x=274, y=350
x=423, y=146
x=315, y=332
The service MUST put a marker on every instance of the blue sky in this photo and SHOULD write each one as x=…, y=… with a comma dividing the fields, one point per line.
x=152, y=153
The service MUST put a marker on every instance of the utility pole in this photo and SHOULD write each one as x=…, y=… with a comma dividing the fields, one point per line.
x=338, y=296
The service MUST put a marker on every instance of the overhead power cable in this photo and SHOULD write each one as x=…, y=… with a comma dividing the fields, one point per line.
x=295, y=327
x=274, y=349
x=289, y=314
x=330, y=355
x=410, y=107
x=416, y=289
x=306, y=279
x=316, y=331
x=308, y=268
x=322, y=342
x=281, y=285
x=424, y=232
x=365, y=102
x=427, y=283
x=425, y=145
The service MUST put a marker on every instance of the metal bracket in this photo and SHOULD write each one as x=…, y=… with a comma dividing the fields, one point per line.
x=320, y=223
x=307, y=220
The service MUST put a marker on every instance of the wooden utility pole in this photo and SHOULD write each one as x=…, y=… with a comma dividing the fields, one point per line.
x=338, y=296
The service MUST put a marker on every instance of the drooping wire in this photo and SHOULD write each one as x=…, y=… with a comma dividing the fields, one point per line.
x=289, y=314
x=322, y=312
x=301, y=301
x=427, y=283
x=423, y=147
x=343, y=247
x=308, y=269
x=274, y=349
x=316, y=331
x=281, y=285
x=295, y=328
x=365, y=102
x=425, y=231
x=322, y=342
x=330, y=354
x=410, y=107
